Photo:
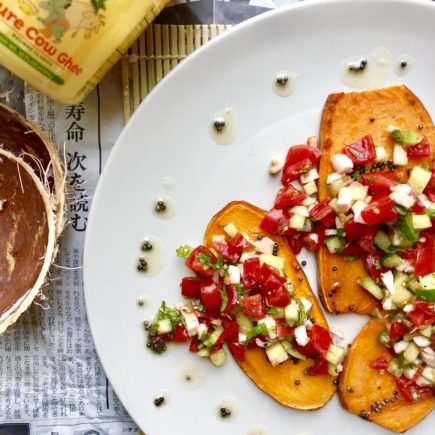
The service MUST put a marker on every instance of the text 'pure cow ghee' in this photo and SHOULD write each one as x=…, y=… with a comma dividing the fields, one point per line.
x=64, y=47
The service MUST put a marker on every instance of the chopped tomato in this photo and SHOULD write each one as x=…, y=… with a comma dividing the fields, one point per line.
x=231, y=330
x=294, y=171
x=321, y=212
x=426, y=307
x=282, y=330
x=418, y=208
x=409, y=253
x=419, y=150
x=380, y=363
x=362, y=151
x=236, y=349
x=380, y=183
x=275, y=293
x=319, y=367
x=254, y=306
x=295, y=243
x=190, y=287
x=320, y=339
x=180, y=334
x=314, y=239
x=288, y=196
x=353, y=229
x=379, y=210
x=422, y=315
x=398, y=330
x=307, y=350
x=430, y=188
x=274, y=221
x=299, y=159
x=267, y=270
x=231, y=292
x=211, y=295
x=224, y=249
x=196, y=265
x=366, y=238
x=425, y=257
x=411, y=391
x=373, y=265
x=353, y=248
x=251, y=273
x=238, y=243
x=194, y=344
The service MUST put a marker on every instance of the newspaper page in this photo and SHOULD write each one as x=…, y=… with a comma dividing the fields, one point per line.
x=51, y=380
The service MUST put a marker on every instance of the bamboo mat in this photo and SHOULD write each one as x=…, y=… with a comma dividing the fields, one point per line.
x=155, y=53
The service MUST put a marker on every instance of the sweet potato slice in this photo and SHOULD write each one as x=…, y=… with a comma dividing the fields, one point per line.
x=27, y=243
x=360, y=386
x=346, y=118
x=279, y=382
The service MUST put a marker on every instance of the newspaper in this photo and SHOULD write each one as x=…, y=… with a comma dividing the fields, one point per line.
x=51, y=380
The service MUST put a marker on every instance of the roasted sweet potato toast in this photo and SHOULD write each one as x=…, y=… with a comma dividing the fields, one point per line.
x=372, y=395
x=346, y=118
x=312, y=392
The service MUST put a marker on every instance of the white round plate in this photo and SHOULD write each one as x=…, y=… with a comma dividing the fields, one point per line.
x=169, y=136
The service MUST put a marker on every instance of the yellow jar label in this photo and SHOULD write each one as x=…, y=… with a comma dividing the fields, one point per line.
x=64, y=43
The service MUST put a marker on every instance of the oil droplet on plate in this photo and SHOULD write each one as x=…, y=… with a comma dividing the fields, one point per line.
x=152, y=258
x=192, y=375
x=366, y=71
x=163, y=207
x=168, y=182
x=226, y=408
x=257, y=430
x=284, y=84
x=224, y=126
x=404, y=64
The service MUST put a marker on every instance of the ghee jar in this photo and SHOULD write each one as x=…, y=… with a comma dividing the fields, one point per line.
x=63, y=48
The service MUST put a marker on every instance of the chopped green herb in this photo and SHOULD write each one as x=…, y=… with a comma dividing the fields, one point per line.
x=224, y=298
x=184, y=251
x=164, y=312
x=289, y=287
x=430, y=212
x=256, y=330
x=378, y=265
x=356, y=176
x=350, y=257
x=240, y=289
x=302, y=314
x=200, y=306
x=340, y=232
x=205, y=258
x=400, y=209
x=406, y=228
x=425, y=167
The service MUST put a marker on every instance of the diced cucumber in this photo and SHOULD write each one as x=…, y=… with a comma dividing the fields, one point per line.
x=384, y=338
x=276, y=354
x=368, y=284
x=245, y=323
x=338, y=184
x=394, y=369
x=213, y=337
x=335, y=354
x=381, y=155
x=407, y=138
x=400, y=157
x=334, y=244
x=291, y=312
x=296, y=222
x=421, y=221
x=428, y=281
x=414, y=284
x=430, y=211
x=429, y=374
x=355, y=193
x=203, y=353
x=338, y=208
x=391, y=261
x=231, y=229
x=218, y=358
x=382, y=240
x=401, y=296
x=419, y=179
x=273, y=260
x=411, y=352
x=400, y=280
x=164, y=326
x=406, y=229
x=332, y=369
x=310, y=188
x=292, y=351
x=426, y=331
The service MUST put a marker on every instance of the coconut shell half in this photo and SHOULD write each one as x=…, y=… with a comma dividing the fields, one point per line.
x=27, y=237
x=25, y=139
